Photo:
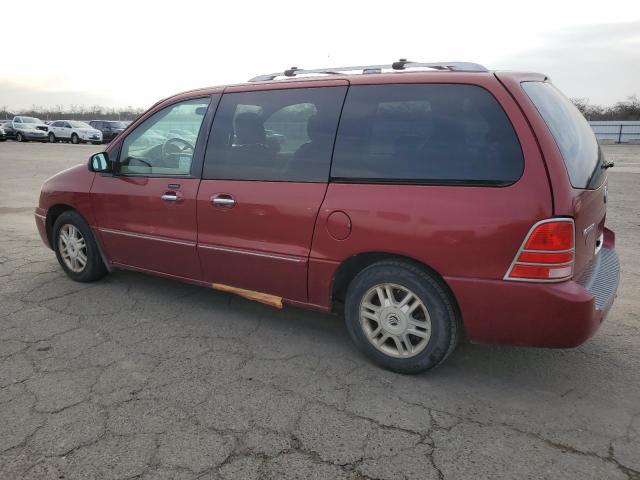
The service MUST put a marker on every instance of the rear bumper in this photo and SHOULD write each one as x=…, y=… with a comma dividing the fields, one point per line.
x=539, y=314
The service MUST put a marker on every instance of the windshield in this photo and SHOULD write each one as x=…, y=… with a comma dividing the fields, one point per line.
x=30, y=120
x=116, y=124
x=75, y=124
x=571, y=131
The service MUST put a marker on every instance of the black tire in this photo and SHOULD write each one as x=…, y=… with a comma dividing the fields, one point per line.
x=19, y=137
x=75, y=139
x=445, y=321
x=94, y=268
x=52, y=138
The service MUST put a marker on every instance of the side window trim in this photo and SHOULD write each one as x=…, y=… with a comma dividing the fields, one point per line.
x=198, y=153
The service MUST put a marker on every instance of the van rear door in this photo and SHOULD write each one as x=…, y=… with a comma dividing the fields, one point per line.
x=585, y=167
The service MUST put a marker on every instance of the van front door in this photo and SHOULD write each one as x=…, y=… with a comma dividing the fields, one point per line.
x=146, y=212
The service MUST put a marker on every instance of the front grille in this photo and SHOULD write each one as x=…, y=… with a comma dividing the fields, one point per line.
x=43, y=128
x=601, y=277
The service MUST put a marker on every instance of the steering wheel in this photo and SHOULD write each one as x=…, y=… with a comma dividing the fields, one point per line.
x=174, y=144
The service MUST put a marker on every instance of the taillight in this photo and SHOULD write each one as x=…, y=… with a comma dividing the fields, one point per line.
x=547, y=253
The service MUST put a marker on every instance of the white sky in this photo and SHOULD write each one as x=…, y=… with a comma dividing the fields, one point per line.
x=118, y=53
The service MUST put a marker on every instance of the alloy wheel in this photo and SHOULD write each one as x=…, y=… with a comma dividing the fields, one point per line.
x=395, y=320
x=72, y=247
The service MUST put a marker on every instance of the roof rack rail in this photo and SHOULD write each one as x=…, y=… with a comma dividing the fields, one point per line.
x=402, y=64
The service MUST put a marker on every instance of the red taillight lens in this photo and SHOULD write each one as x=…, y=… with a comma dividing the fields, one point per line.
x=551, y=236
x=547, y=253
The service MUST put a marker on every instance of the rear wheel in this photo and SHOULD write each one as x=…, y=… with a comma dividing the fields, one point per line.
x=52, y=138
x=76, y=248
x=75, y=139
x=401, y=316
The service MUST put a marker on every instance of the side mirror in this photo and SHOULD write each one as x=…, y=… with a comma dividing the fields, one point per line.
x=99, y=163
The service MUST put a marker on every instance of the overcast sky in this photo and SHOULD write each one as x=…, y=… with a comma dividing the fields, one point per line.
x=119, y=53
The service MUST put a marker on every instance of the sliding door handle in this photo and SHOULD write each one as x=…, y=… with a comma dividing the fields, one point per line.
x=222, y=200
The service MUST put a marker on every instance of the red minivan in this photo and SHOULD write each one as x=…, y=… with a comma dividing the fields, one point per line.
x=424, y=200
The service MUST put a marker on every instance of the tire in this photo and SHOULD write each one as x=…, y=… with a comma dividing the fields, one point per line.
x=19, y=137
x=52, y=138
x=75, y=139
x=94, y=267
x=439, y=323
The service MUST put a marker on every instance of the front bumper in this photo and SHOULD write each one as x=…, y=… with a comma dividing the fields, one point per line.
x=559, y=315
x=41, y=222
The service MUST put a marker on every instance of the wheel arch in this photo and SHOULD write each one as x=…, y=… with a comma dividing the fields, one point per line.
x=54, y=211
x=352, y=266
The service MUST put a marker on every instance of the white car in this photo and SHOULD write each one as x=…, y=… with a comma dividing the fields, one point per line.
x=74, y=132
x=29, y=128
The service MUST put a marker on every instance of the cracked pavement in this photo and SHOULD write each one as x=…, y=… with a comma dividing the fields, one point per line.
x=147, y=378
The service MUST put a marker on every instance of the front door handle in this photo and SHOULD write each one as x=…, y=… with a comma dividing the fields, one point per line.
x=222, y=200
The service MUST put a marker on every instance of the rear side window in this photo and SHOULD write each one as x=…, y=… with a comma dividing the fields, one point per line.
x=431, y=134
x=571, y=131
x=274, y=135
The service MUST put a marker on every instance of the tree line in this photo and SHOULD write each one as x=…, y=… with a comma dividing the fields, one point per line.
x=628, y=109
x=625, y=110
x=74, y=112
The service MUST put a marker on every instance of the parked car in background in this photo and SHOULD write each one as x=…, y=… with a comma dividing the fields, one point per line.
x=109, y=128
x=8, y=129
x=3, y=134
x=29, y=128
x=424, y=204
x=74, y=132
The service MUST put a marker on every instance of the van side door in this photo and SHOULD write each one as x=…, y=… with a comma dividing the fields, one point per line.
x=265, y=174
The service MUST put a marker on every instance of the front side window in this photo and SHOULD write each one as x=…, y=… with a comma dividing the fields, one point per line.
x=275, y=135
x=425, y=133
x=164, y=143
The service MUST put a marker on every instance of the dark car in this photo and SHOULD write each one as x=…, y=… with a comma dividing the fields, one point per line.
x=109, y=128
x=424, y=204
x=7, y=129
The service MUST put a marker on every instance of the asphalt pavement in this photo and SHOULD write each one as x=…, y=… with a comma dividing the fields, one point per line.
x=142, y=377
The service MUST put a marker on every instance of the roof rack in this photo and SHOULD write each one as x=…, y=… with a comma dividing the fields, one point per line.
x=402, y=64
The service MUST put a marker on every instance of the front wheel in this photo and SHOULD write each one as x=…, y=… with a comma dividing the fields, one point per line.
x=75, y=139
x=401, y=316
x=20, y=137
x=52, y=138
x=76, y=248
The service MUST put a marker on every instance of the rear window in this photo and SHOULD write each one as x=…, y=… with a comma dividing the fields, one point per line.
x=571, y=131
x=435, y=133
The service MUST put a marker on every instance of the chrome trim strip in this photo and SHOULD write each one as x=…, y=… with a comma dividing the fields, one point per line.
x=254, y=253
x=524, y=242
x=147, y=237
x=570, y=250
x=541, y=264
x=41, y=217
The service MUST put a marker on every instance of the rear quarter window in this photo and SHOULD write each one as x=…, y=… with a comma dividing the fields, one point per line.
x=426, y=133
x=571, y=131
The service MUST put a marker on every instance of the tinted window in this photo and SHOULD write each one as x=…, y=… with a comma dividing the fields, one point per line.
x=571, y=131
x=164, y=143
x=433, y=133
x=278, y=135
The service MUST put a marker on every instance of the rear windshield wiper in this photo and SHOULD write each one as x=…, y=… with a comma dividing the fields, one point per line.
x=605, y=165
